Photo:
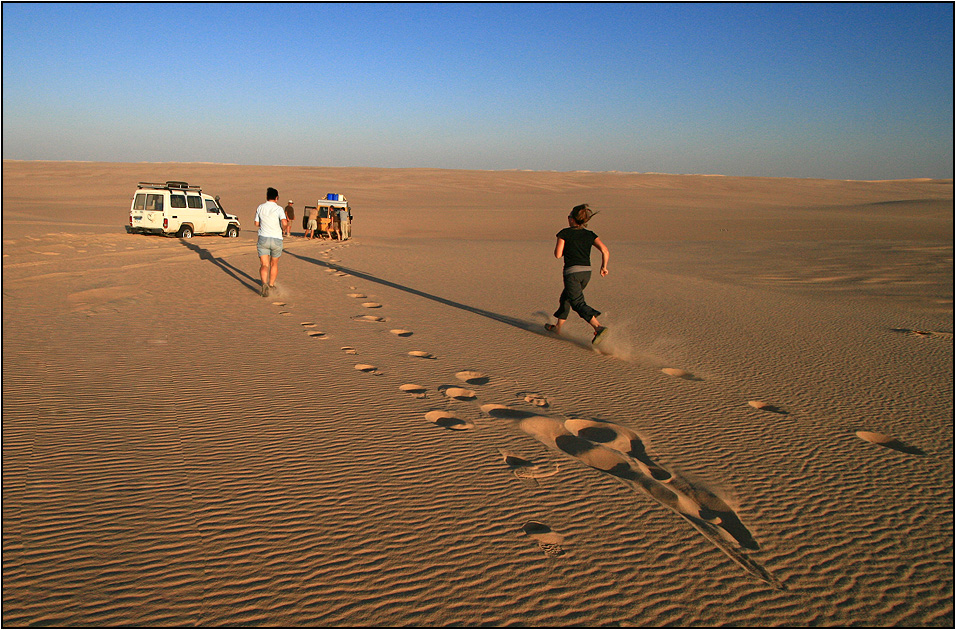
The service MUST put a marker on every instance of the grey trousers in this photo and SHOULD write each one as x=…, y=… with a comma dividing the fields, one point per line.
x=573, y=297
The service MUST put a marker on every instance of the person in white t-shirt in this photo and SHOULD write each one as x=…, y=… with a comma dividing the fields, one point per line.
x=272, y=222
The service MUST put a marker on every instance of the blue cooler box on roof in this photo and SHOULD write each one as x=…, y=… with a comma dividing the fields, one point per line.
x=332, y=197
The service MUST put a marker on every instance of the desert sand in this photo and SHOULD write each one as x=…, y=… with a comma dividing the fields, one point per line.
x=392, y=439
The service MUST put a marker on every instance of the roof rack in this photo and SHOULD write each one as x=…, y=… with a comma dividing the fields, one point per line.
x=169, y=185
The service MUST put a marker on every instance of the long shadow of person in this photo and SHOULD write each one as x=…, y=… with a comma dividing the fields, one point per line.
x=230, y=270
x=506, y=319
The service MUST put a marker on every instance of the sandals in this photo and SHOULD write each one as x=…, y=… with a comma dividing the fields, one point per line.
x=551, y=328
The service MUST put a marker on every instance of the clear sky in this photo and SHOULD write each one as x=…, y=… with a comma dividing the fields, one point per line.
x=844, y=91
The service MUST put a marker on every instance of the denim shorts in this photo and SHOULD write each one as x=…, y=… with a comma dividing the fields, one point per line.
x=269, y=246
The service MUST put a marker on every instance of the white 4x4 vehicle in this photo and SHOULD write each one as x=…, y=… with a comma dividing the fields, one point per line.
x=176, y=208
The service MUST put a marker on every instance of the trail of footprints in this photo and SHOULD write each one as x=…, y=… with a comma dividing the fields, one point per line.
x=603, y=445
x=526, y=470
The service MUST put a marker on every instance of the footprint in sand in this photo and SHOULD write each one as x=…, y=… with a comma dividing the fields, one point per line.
x=889, y=442
x=349, y=350
x=358, y=295
x=449, y=420
x=525, y=469
x=401, y=333
x=533, y=398
x=315, y=334
x=621, y=439
x=549, y=540
x=762, y=406
x=458, y=393
x=922, y=333
x=679, y=373
x=703, y=509
x=369, y=318
x=307, y=324
x=608, y=447
x=284, y=313
x=416, y=390
x=505, y=412
x=368, y=369
x=421, y=354
x=472, y=378
x=278, y=303
x=371, y=305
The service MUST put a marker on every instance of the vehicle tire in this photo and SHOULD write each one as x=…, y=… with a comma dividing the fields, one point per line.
x=185, y=231
x=232, y=231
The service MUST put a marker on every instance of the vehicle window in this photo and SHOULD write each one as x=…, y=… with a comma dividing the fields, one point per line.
x=177, y=201
x=140, y=202
x=154, y=203
x=194, y=201
x=211, y=206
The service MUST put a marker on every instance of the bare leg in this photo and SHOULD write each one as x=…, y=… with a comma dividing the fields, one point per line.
x=595, y=324
x=264, y=269
x=273, y=273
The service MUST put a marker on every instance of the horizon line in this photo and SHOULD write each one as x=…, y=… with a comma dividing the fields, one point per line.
x=480, y=170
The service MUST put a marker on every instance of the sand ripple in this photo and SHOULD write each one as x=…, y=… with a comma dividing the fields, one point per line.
x=173, y=458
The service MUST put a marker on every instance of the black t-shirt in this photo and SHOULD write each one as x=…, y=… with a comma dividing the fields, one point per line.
x=577, y=246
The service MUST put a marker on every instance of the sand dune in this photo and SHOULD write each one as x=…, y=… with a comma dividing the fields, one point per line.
x=765, y=438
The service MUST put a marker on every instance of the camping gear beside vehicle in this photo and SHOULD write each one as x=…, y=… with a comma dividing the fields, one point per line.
x=328, y=212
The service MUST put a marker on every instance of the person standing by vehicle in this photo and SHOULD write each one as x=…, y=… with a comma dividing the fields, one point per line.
x=290, y=215
x=271, y=221
x=574, y=244
x=310, y=214
x=344, y=225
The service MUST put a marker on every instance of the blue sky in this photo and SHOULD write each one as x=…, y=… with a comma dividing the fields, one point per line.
x=844, y=91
